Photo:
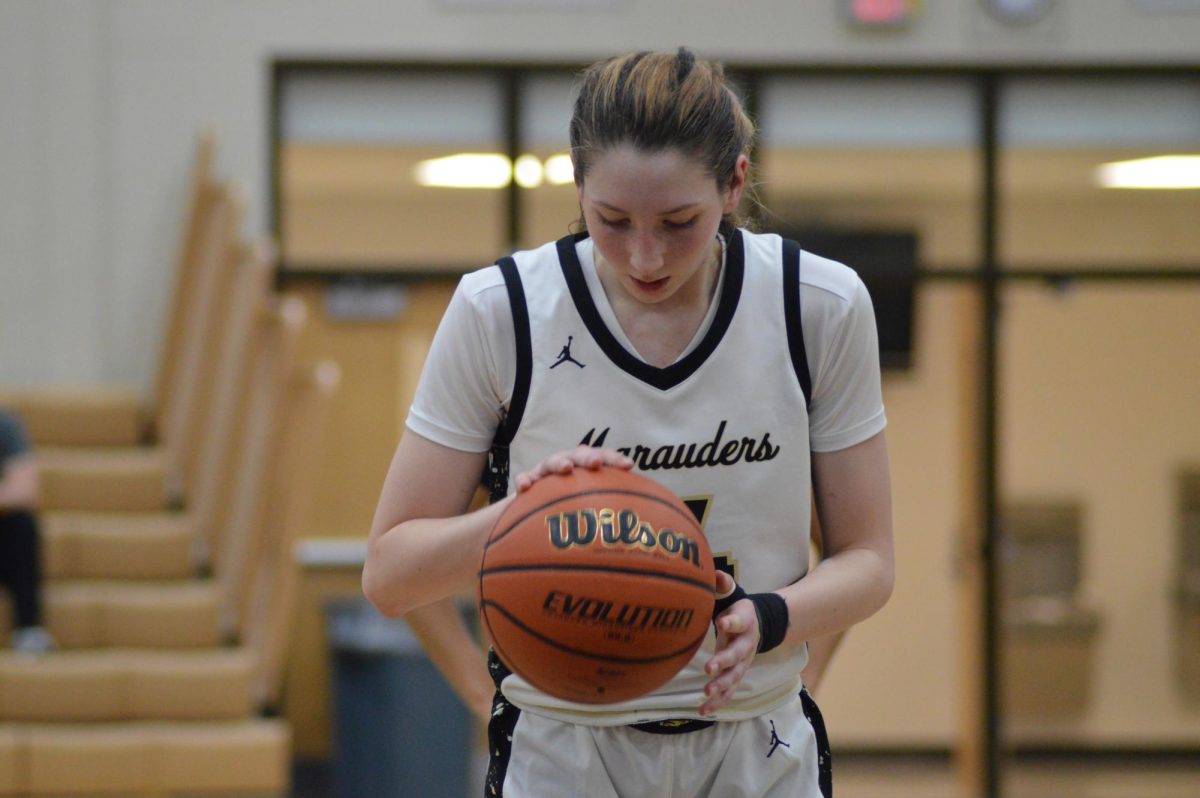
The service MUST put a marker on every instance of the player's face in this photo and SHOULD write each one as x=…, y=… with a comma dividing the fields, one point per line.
x=653, y=217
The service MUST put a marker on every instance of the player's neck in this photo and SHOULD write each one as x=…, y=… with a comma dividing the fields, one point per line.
x=661, y=331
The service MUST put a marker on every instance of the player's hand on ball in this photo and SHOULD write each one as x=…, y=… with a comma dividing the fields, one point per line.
x=737, y=643
x=566, y=462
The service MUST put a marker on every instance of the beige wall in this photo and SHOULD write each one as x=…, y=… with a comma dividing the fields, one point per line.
x=103, y=101
x=1099, y=397
x=1101, y=389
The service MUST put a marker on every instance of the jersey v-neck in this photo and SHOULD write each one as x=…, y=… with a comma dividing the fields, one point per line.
x=594, y=308
x=586, y=252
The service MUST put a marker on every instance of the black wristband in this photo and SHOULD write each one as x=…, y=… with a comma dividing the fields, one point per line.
x=723, y=604
x=771, y=610
x=772, y=619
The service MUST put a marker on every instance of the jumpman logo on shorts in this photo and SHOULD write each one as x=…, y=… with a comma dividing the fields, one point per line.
x=775, y=741
x=565, y=355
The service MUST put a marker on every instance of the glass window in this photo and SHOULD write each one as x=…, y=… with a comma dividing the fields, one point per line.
x=865, y=153
x=1100, y=385
x=1057, y=134
x=353, y=193
x=549, y=206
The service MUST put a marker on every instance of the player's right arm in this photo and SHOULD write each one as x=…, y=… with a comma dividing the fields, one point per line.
x=424, y=545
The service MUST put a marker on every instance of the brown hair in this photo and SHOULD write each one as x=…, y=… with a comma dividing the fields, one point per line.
x=660, y=101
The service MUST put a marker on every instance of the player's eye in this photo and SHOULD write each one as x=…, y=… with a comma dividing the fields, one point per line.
x=681, y=225
x=614, y=223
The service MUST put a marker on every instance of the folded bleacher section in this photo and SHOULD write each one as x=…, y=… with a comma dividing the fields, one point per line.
x=168, y=527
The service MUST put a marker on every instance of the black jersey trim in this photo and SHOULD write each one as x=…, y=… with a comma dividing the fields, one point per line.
x=524, y=342
x=496, y=478
x=674, y=374
x=824, y=754
x=792, y=318
x=501, y=727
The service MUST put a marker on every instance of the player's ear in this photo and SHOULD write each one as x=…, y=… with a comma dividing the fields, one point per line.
x=737, y=185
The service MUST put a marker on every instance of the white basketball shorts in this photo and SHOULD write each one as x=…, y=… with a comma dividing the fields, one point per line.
x=783, y=754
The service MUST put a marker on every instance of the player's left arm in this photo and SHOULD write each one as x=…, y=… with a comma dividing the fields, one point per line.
x=460, y=659
x=820, y=649
x=854, y=579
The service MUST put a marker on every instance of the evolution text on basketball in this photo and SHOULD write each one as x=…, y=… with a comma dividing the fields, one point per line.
x=603, y=611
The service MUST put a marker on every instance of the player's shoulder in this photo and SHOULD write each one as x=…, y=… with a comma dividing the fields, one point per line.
x=475, y=284
x=486, y=291
x=829, y=277
x=489, y=278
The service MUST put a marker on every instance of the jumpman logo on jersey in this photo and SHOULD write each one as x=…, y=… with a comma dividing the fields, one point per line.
x=775, y=741
x=565, y=355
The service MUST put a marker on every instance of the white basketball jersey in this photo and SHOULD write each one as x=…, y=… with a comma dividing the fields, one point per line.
x=725, y=428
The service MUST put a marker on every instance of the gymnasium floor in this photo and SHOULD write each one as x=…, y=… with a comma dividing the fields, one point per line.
x=895, y=777
x=866, y=776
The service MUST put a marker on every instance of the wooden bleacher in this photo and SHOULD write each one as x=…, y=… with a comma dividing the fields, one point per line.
x=173, y=607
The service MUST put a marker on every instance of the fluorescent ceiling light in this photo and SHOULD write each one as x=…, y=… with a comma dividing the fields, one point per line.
x=559, y=170
x=1164, y=171
x=465, y=170
x=492, y=170
x=528, y=171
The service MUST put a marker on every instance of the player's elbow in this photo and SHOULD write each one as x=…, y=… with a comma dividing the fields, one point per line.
x=380, y=588
x=884, y=581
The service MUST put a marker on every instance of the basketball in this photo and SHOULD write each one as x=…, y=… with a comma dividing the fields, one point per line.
x=596, y=586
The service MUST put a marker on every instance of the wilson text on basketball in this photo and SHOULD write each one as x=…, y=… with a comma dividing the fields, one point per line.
x=610, y=527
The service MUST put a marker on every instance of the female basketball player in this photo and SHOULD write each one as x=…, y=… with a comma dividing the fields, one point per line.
x=664, y=329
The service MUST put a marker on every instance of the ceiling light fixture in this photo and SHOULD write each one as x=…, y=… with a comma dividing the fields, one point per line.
x=492, y=170
x=1160, y=172
x=465, y=170
x=528, y=171
x=559, y=170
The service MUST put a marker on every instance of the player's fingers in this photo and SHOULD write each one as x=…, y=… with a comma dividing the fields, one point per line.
x=593, y=457
x=566, y=462
x=733, y=623
x=554, y=464
x=728, y=679
x=725, y=584
x=739, y=650
x=719, y=692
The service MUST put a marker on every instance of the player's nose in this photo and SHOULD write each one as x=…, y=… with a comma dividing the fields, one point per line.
x=645, y=255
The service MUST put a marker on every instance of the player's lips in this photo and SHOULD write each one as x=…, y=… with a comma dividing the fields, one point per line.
x=651, y=285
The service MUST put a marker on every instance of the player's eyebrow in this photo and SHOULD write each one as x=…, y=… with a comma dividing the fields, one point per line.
x=679, y=209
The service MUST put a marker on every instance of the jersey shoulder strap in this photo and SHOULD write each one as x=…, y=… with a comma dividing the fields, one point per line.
x=792, y=318
x=496, y=477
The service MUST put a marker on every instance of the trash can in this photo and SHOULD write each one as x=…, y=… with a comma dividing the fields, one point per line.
x=399, y=730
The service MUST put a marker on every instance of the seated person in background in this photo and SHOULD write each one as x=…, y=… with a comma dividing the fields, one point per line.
x=20, y=563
